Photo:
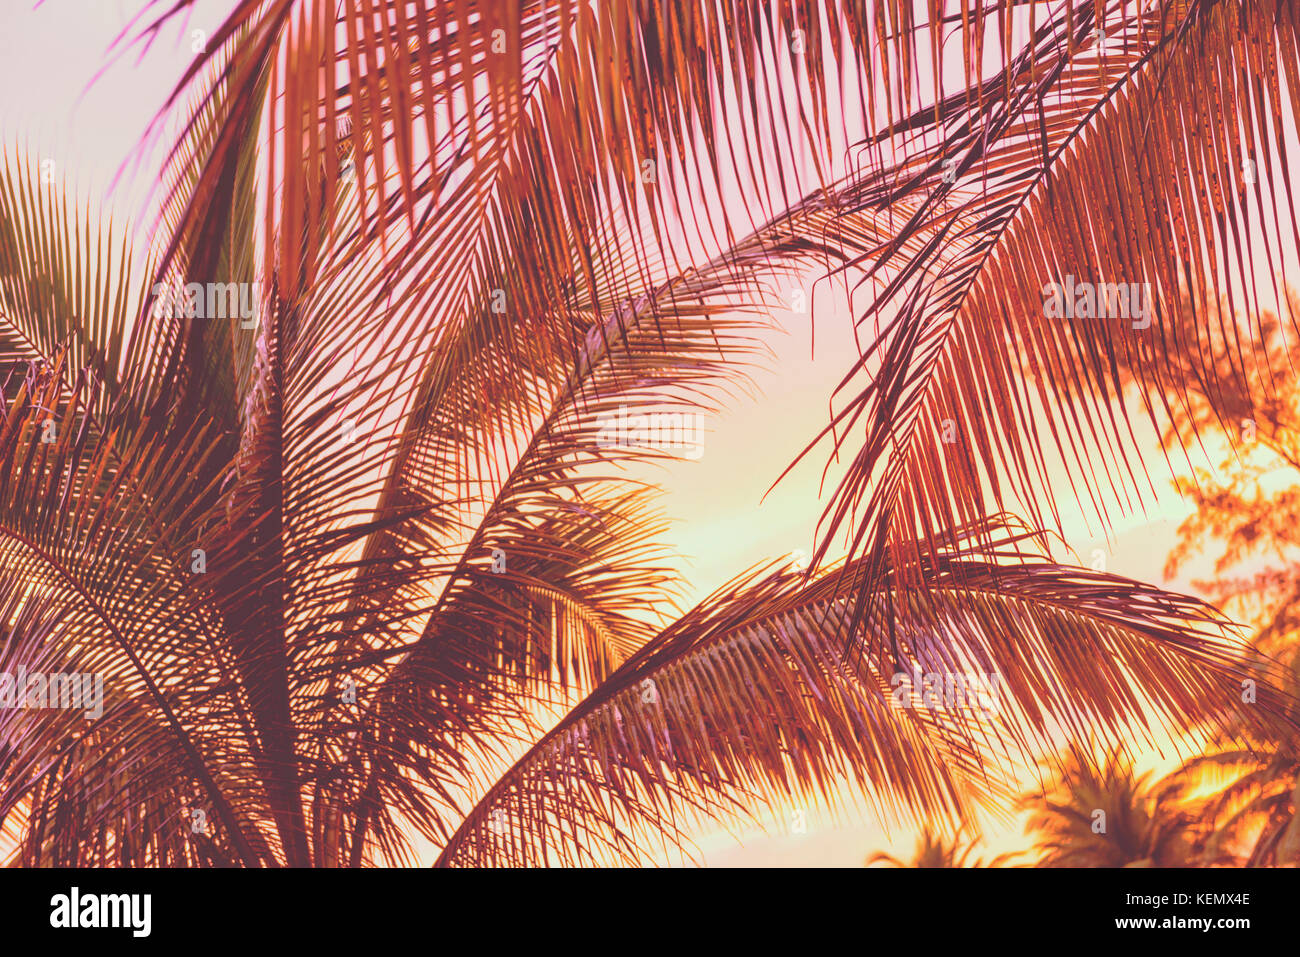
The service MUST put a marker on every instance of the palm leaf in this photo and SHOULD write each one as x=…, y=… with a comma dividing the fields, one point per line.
x=970, y=393
x=755, y=703
x=93, y=582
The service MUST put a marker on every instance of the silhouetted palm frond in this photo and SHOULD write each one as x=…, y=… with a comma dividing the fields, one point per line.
x=1146, y=154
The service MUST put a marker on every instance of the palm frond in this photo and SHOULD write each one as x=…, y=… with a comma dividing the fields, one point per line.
x=972, y=391
x=66, y=282
x=755, y=703
x=93, y=583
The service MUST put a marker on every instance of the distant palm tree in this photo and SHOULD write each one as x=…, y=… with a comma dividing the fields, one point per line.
x=343, y=562
x=1251, y=815
x=1106, y=817
x=1248, y=507
x=937, y=851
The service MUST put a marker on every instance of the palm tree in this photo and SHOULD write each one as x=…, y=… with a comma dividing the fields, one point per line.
x=1104, y=816
x=936, y=851
x=1250, y=506
x=1249, y=815
x=340, y=564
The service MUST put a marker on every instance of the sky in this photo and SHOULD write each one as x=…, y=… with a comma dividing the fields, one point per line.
x=721, y=520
